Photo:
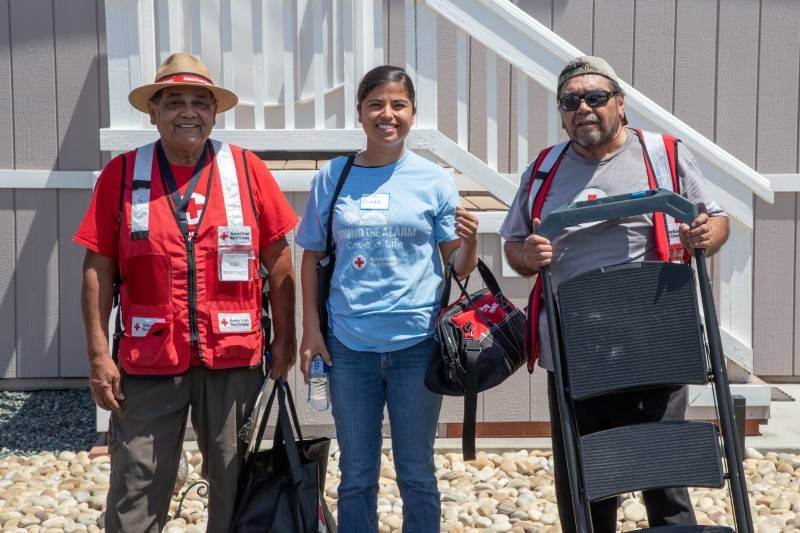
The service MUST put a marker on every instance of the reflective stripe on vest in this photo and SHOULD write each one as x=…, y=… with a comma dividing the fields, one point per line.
x=657, y=152
x=230, y=183
x=538, y=174
x=140, y=194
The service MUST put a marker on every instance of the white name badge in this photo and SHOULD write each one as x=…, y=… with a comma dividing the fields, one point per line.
x=235, y=322
x=233, y=236
x=140, y=326
x=234, y=267
x=375, y=201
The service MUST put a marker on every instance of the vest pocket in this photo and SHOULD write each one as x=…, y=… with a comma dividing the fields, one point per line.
x=147, y=342
x=148, y=279
x=236, y=332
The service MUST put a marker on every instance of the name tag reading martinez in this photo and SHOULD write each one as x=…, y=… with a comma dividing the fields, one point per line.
x=234, y=267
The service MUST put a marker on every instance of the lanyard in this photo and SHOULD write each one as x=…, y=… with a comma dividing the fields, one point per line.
x=180, y=203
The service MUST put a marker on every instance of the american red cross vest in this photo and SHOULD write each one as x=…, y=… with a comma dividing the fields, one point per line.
x=184, y=294
x=660, y=161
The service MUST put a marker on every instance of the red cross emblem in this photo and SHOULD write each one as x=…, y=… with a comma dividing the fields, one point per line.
x=195, y=208
x=137, y=326
x=224, y=235
x=359, y=262
x=224, y=321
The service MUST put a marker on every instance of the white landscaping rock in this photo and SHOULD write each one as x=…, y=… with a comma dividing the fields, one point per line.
x=500, y=492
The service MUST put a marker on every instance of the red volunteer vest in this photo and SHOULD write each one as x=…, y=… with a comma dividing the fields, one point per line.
x=181, y=294
x=661, y=163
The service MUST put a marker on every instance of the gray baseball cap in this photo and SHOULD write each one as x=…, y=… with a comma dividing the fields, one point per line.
x=586, y=65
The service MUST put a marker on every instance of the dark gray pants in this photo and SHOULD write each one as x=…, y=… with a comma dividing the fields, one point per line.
x=664, y=506
x=146, y=442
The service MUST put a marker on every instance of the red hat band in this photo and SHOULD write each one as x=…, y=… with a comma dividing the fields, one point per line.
x=185, y=78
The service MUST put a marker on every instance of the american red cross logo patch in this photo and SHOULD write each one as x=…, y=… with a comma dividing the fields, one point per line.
x=195, y=208
x=359, y=262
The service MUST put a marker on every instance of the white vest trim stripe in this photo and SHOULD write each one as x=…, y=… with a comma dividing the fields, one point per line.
x=657, y=152
x=544, y=169
x=140, y=193
x=230, y=184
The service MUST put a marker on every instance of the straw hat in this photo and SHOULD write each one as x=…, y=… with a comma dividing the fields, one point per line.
x=181, y=70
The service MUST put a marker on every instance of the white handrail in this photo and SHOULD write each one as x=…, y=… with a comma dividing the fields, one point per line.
x=540, y=53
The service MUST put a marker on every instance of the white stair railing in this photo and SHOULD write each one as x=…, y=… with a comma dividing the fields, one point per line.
x=269, y=52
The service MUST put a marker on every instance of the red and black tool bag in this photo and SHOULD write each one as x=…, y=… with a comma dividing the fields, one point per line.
x=480, y=343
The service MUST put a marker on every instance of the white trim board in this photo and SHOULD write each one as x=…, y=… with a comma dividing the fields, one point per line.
x=47, y=179
x=288, y=180
x=784, y=182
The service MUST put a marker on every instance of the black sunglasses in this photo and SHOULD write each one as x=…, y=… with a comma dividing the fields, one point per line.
x=571, y=102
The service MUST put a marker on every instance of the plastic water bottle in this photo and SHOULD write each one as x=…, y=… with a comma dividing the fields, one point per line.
x=318, y=384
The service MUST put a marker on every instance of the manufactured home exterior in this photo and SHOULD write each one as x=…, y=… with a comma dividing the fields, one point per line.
x=729, y=70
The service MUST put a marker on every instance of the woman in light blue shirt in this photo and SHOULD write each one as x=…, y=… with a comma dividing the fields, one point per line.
x=395, y=221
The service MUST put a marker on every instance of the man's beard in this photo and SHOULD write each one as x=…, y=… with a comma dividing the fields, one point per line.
x=595, y=137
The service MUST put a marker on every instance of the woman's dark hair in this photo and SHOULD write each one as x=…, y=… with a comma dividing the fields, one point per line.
x=383, y=75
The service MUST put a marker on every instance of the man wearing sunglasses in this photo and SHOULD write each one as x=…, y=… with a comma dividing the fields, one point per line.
x=603, y=158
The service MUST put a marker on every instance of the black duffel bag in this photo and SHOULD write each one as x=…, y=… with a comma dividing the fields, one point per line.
x=480, y=343
x=282, y=489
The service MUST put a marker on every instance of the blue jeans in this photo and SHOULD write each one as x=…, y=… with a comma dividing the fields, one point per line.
x=361, y=384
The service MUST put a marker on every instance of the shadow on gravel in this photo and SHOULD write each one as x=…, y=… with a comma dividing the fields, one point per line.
x=46, y=420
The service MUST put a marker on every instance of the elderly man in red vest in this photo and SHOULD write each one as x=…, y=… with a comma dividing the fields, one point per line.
x=604, y=158
x=183, y=224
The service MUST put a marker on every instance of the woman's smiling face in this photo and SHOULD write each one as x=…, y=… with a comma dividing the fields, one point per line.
x=386, y=113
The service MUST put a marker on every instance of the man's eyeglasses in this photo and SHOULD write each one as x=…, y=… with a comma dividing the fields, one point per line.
x=571, y=102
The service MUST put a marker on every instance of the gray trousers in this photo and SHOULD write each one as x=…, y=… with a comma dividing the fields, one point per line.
x=146, y=442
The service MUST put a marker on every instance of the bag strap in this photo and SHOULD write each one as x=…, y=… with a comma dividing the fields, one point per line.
x=266, y=323
x=292, y=452
x=472, y=350
x=329, y=227
x=486, y=275
x=280, y=383
x=265, y=417
x=296, y=472
x=117, y=283
x=293, y=411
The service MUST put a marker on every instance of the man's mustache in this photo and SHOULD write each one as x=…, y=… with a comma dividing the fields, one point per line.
x=586, y=119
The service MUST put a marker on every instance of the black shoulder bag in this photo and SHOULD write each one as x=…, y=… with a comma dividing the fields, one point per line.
x=326, y=264
x=281, y=489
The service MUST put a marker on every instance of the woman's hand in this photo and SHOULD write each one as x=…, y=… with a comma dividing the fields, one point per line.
x=312, y=344
x=466, y=246
x=466, y=226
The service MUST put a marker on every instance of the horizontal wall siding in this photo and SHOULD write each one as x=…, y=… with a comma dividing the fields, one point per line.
x=53, y=102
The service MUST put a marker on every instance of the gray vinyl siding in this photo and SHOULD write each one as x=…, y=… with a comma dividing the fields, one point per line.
x=52, y=104
x=730, y=69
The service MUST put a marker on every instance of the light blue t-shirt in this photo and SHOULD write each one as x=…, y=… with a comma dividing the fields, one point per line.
x=387, y=224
